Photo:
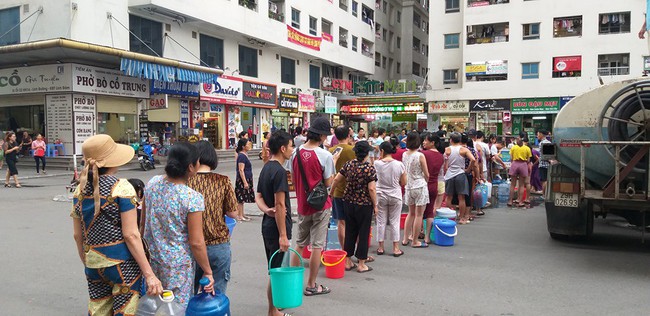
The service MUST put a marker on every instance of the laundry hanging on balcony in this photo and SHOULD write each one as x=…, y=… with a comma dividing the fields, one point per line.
x=147, y=70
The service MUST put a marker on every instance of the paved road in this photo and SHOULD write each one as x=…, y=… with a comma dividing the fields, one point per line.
x=502, y=264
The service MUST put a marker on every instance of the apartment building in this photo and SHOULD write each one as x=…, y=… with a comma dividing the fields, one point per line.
x=511, y=65
x=276, y=60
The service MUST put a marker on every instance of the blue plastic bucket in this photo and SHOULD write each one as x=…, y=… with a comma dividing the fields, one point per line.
x=287, y=283
x=230, y=222
x=432, y=235
x=445, y=230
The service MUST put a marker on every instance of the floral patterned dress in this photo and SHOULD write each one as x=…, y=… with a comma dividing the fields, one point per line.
x=168, y=206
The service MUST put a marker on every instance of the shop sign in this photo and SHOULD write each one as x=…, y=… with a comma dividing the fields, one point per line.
x=186, y=89
x=227, y=90
x=259, y=94
x=36, y=79
x=304, y=40
x=448, y=107
x=404, y=117
x=58, y=117
x=507, y=116
x=327, y=83
x=646, y=63
x=185, y=114
x=84, y=128
x=327, y=37
x=384, y=108
x=564, y=101
x=288, y=103
x=369, y=87
x=492, y=67
x=568, y=63
x=330, y=105
x=489, y=105
x=307, y=103
x=96, y=80
x=535, y=105
x=84, y=102
x=216, y=108
x=158, y=101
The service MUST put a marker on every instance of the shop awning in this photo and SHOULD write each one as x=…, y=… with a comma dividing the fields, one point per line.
x=61, y=50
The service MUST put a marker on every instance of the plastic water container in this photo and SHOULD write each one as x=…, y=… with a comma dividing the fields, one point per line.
x=445, y=212
x=446, y=230
x=205, y=304
x=503, y=192
x=168, y=306
x=147, y=306
x=231, y=223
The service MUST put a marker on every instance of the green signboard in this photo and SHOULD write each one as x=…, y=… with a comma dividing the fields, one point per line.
x=403, y=117
x=535, y=105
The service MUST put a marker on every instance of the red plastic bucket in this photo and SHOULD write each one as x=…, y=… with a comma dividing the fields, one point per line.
x=333, y=260
x=402, y=220
x=306, y=252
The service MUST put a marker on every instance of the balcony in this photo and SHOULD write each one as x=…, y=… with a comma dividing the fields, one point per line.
x=276, y=12
x=488, y=33
x=481, y=3
x=614, y=71
x=249, y=4
x=366, y=48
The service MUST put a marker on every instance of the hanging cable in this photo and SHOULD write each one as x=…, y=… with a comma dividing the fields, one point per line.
x=187, y=50
x=33, y=27
x=39, y=11
x=110, y=27
x=110, y=16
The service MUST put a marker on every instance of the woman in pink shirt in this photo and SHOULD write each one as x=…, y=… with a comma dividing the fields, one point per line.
x=39, y=147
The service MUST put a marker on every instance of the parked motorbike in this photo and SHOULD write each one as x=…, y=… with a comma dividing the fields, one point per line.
x=146, y=157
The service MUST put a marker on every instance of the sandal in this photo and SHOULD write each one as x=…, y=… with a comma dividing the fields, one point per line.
x=509, y=204
x=480, y=213
x=18, y=186
x=370, y=259
x=422, y=245
x=521, y=205
x=398, y=254
x=380, y=253
x=7, y=185
x=364, y=271
x=311, y=291
x=354, y=266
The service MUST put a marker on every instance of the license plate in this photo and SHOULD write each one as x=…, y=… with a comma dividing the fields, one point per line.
x=566, y=199
x=140, y=158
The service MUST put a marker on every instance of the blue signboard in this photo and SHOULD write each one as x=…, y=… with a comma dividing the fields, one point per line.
x=186, y=89
x=564, y=101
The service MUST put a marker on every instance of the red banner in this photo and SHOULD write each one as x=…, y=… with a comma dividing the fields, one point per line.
x=328, y=37
x=303, y=40
x=568, y=63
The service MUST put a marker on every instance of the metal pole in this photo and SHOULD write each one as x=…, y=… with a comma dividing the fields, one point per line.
x=617, y=174
x=582, y=171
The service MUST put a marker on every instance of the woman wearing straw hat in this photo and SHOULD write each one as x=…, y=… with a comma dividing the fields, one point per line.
x=106, y=231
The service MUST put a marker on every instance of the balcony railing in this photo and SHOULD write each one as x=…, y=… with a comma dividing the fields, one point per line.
x=614, y=71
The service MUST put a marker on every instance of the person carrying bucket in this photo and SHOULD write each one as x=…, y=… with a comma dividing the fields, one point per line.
x=272, y=199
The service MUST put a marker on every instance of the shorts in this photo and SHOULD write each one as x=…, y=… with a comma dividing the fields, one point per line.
x=441, y=187
x=468, y=199
x=312, y=229
x=457, y=185
x=519, y=168
x=417, y=196
x=543, y=174
x=271, y=245
x=338, y=213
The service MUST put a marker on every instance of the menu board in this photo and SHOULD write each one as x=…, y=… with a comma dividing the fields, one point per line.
x=58, y=118
x=84, y=128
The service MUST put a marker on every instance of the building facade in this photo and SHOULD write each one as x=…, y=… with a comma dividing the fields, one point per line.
x=513, y=64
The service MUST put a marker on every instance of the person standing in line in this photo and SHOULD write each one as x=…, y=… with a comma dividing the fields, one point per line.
x=244, y=179
x=265, y=147
x=497, y=162
x=391, y=176
x=416, y=195
x=399, y=151
x=543, y=164
x=219, y=197
x=456, y=183
x=520, y=155
x=106, y=231
x=435, y=160
x=11, y=149
x=533, y=177
x=441, y=131
x=479, y=142
x=174, y=224
x=25, y=144
x=360, y=203
x=38, y=146
x=300, y=137
x=168, y=134
x=318, y=165
x=361, y=136
x=381, y=133
x=273, y=200
x=346, y=154
x=402, y=139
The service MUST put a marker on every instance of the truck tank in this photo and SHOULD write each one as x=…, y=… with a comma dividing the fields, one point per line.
x=615, y=112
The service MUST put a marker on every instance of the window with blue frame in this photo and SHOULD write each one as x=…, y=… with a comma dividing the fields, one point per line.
x=529, y=70
x=9, y=20
x=452, y=40
x=314, y=77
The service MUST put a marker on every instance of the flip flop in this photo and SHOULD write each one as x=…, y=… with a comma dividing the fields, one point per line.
x=398, y=254
x=370, y=259
x=364, y=271
x=521, y=205
x=509, y=204
x=422, y=245
x=480, y=213
x=354, y=266
x=380, y=253
x=405, y=244
x=312, y=291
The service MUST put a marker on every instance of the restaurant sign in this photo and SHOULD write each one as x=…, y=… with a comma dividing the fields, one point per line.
x=489, y=105
x=535, y=105
x=371, y=87
x=288, y=103
x=260, y=94
x=307, y=103
x=436, y=107
x=416, y=107
x=311, y=42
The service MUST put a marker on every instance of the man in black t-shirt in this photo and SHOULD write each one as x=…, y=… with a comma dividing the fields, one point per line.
x=273, y=199
x=441, y=132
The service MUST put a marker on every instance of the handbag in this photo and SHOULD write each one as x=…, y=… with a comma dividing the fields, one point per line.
x=317, y=196
x=39, y=152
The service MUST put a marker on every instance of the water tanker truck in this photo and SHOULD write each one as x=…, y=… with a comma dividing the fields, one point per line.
x=599, y=159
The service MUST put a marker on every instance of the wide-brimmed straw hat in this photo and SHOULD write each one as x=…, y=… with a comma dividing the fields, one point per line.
x=104, y=152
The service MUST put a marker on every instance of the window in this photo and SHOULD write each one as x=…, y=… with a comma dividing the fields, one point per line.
x=529, y=70
x=377, y=31
x=211, y=51
x=383, y=34
x=416, y=69
x=276, y=10
x=150, y=32
x=567, y=26
x=383, y=8
x=367, y=15
x=398, y=68
x=450, y=76
x=416, y=44
x=332, y=71
x=247, y=61
x=326, y=26
x=614, y=64
x=488, y=33
x=452, y=6
x=343, y=37
x=531, y=31
x=614, y=23
x=390, y=64
x=343, y=4
x=399, y=16
x=287, y=70
x=354, y=43
x=377, y=59
x=366, y=47
x=355, y=8
x=250, y=4
x=493, y=70
x=452, y=41
x=417, y=21
x=399, y=42
x=295, y=18
x=10, y=18
x=567, y=66
x=383, y=62
x=314, y=77
x=646, y=64
x=313, y=25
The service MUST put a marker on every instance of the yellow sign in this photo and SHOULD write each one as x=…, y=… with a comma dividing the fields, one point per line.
x=473, y=69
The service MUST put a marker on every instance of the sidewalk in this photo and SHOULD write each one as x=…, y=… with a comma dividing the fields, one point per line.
x=24, y=174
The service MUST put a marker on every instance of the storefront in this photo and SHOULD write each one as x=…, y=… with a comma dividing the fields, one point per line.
x=532, y=114
x=492, y=116
x=167, y=113
x=392, y=114
x=258, y=100
x=452, y=115
x=287, y=114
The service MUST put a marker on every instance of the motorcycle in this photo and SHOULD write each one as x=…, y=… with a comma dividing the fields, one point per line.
x=146, y=158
